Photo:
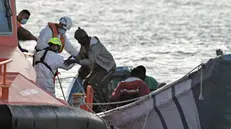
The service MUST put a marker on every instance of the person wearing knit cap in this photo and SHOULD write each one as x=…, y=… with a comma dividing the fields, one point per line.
x=95, y=57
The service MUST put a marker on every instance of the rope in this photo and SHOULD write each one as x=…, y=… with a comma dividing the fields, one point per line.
x=197, y=67
x=61, y=87
x=87, y=104
x=81, y=86
x=101, y=108
x=146, y=118
x=118, y=102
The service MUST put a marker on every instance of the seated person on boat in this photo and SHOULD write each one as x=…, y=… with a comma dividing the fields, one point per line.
x=130, y=88
x=149, y=81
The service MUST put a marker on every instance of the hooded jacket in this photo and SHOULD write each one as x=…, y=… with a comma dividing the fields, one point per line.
x=98, y=54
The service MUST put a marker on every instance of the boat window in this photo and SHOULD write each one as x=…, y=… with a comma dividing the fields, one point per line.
x=5, y=17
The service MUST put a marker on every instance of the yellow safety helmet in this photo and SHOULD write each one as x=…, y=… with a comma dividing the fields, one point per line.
x=56, y=41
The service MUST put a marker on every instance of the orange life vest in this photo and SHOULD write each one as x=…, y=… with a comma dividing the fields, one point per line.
x=131, y=88
x=55, y=33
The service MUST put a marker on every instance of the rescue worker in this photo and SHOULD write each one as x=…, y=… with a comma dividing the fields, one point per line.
x=56, y=30
x=24, y=34
x=95, y=57
x=130, y=88
x=47, y=63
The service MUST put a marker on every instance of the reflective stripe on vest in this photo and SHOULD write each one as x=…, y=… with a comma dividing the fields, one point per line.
x=130, y=87
x=55, y=33
x=135, y=91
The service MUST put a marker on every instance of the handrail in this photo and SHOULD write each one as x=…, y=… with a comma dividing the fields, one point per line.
x=5, y=88
x=5, y=61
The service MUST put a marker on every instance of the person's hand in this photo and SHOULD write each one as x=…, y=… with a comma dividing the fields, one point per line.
x=69, y=62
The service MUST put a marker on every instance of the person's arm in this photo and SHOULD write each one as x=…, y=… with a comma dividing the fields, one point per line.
x=26, y=35
x=44, y=36
x=85, y=62
x=94, y=52
x=151, y=83
x=116, y=93
x=71, y=60
x=65, y=67
x=70, y=48
x=143, y=89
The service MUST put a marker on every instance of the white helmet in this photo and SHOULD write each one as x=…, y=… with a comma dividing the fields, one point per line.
x=66, y=21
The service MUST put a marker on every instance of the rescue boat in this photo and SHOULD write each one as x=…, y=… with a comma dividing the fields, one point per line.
x=23, y=105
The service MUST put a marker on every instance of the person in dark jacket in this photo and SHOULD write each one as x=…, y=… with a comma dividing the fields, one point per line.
x=97, y=64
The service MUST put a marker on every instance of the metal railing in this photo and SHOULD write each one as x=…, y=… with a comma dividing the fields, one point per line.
x=3, y=83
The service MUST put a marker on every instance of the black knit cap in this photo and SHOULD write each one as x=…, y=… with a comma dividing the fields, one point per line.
x=80, y=33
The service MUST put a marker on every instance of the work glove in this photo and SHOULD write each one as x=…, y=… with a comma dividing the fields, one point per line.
x=70, y=61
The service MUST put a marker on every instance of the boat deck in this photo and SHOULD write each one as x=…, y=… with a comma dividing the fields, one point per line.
x=23, y=91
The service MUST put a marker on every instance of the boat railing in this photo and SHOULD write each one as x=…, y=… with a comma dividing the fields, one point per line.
x=3, y=84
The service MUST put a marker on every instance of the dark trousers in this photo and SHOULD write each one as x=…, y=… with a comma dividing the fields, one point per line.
x=99, y=79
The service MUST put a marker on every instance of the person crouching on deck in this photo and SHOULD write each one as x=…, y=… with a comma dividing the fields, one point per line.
x=130, y=88
x=47, y=63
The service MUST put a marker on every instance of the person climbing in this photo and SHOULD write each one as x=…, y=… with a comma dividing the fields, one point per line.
x=97, y=64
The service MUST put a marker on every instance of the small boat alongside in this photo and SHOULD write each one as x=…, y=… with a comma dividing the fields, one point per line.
x=198, y=100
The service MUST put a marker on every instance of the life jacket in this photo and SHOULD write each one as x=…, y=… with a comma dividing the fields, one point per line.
x=127, y=90
x=131, y=89
x=55, y=33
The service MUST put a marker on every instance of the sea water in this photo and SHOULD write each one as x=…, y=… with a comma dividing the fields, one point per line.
x=168, y=37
